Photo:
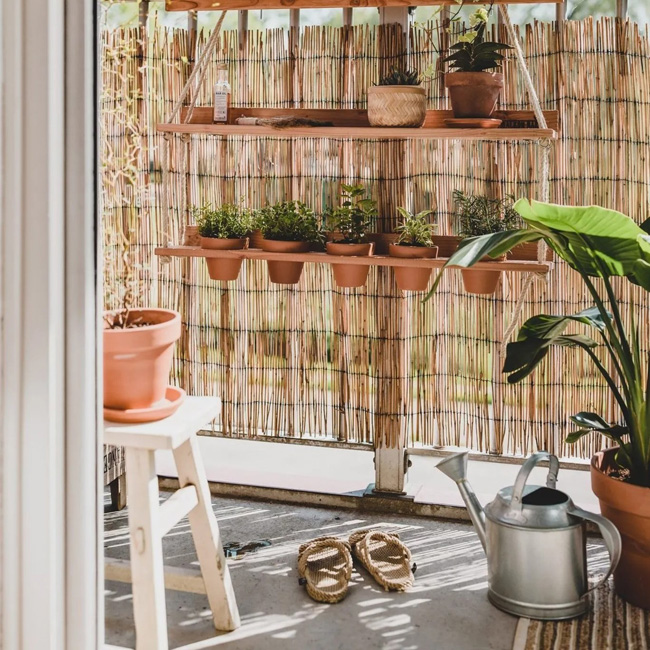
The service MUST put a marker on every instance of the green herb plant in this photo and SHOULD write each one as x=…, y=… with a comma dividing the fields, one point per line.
x=472, y=53
x=228, y=221
x=415, y=229
x=289, y=221
x=599, y=244
x=480, y=215
x=350, y=221
x=397, y=77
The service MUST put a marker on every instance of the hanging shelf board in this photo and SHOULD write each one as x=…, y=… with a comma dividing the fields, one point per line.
x=527, y=266
x=215, y=5
x=516, y=125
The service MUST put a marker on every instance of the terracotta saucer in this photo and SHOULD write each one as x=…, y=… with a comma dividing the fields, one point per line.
x=174, y=397
x=472, y=122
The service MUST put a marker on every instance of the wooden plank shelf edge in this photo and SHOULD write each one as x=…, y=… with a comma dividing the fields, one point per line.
x=529, y=266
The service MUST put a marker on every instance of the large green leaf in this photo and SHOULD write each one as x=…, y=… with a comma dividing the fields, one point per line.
x=646, y=226
x=592, y=239
x=547, y=326
x=473, y=249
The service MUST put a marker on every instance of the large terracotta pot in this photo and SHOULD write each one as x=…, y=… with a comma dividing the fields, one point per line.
x=350, y=275
x=285, y=272
x=627, y=506
x=412, y=278
x=137, y=360
x=225, y=269
x=402, y=106
x=482, y=282
x=474, y=94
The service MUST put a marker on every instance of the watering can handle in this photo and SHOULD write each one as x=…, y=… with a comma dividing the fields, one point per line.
x=526, y=468
x=611, y=536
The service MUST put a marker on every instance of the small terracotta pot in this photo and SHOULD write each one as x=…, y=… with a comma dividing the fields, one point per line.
x=412, y=278
x=627, y=506
x=480, y=282
x=474, y=94
x=225, y=268
x=401, y=106
x=137, y=361
x=350, y=275
x=285, y=272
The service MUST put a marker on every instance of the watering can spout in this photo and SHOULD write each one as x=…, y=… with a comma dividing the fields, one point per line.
x=455, y=467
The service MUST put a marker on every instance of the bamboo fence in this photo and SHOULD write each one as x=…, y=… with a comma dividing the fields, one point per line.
x=315, y=360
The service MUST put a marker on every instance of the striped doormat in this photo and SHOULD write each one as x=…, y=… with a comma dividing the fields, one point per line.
x=611, y=624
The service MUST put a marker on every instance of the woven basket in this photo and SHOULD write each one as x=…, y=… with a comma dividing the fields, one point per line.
x=397, y=106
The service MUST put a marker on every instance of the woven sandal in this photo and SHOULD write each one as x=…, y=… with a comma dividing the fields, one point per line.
x=325, y=567
x=385, y=557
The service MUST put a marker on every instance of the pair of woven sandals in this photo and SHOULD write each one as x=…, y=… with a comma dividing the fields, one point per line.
x=325, y=563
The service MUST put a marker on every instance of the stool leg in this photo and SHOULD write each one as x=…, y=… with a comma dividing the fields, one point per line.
x=207, y=539
x=147, y=572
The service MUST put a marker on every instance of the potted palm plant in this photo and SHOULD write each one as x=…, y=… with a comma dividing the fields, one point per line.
x=348, y=225
x=480, y=215
x=287, y=227
x=599, y=244
x=397, y=100
x=474, y=90
x=223, y=228
x=414, y=241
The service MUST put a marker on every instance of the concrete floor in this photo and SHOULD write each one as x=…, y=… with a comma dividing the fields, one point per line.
x=446, y=609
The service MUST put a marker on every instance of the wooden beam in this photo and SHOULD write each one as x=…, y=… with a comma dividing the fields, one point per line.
x=347, y=16
x=176, y=578
x=621, y=9
x=211, y=5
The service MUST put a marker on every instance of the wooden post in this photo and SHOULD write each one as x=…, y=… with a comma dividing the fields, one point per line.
x=347, y=16
x=621, y=9
x=143, y=13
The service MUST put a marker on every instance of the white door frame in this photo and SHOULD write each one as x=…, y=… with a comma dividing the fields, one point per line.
x=50, y=542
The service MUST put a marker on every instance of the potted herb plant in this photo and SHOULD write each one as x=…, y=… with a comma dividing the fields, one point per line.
x=599, y=244
x=223, y=228
x=414, y=241
x=348, y=225
x=287, y=227
x=480, y=215
x=397, y=100
x=472, y=89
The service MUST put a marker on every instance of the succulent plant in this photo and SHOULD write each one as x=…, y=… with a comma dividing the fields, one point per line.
x=397, y=77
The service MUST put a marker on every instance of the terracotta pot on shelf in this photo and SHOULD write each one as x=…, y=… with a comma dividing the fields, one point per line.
x=627, y=506
x=397, y=106
x=350, y=275
x=225, y=269
x=412, y=278
x=137, y=360
x=285, y=272
x=474, y=94
x=482, y=282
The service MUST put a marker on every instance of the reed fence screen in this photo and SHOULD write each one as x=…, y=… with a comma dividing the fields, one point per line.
x=353, y=365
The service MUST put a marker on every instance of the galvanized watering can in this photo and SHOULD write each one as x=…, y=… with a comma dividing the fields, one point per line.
x=535, y=542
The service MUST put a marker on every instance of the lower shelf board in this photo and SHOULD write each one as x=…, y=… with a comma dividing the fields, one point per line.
x=524, y=266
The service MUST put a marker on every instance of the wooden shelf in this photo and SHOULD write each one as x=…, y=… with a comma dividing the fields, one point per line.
x=216, y=5
x=323, y=258
x=517, y=125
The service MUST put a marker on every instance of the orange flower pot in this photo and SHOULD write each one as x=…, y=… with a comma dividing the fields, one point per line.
x=474, y=94
x=412, y=278
x=137, y=360
x=225, y=269
x=285, y=272
x=627, y=506
x=350, y=275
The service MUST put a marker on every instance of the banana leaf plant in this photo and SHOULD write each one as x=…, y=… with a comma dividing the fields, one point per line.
x=599, y=244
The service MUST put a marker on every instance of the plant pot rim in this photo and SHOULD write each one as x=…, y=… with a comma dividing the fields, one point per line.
x=393, y=247
x=420, y=90
x=225, y=238
x=175, y=316
x=607, y=454
x=364, y=244
x=483, y=78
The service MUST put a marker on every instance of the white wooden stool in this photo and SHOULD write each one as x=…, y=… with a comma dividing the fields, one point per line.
x=149, y=521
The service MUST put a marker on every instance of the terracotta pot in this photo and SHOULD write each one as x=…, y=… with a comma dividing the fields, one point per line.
x=225, y=268
x=480, y=282
x=474, y=94
x=137, y=361
x=350, y=275
x=627, y=506
x=403, y=106
x=412, y=278
x=285, y=272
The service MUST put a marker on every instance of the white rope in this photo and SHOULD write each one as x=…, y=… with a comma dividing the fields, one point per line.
x=544, y=176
